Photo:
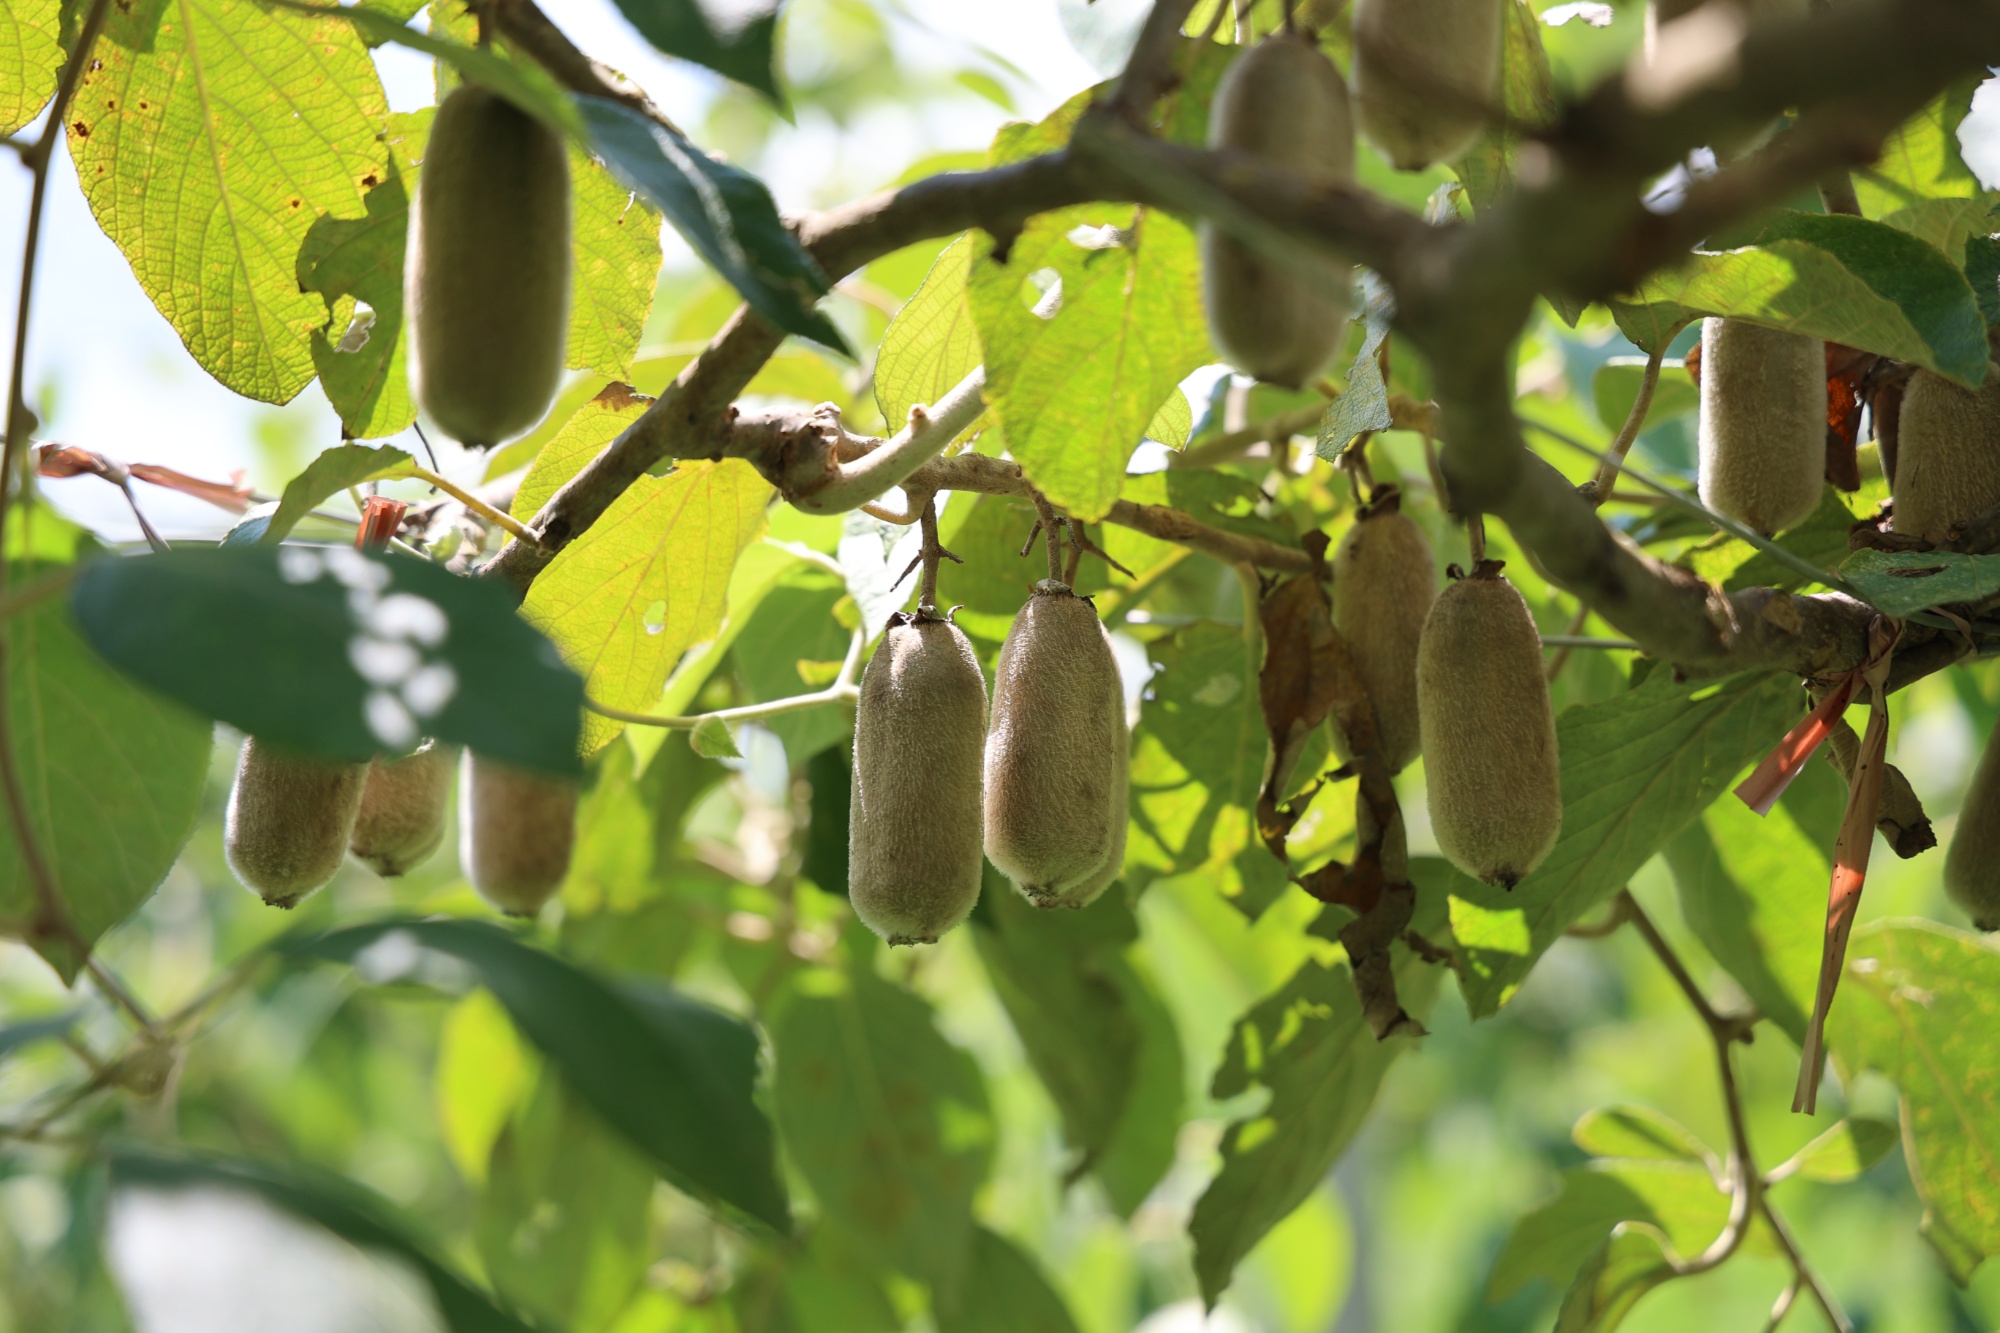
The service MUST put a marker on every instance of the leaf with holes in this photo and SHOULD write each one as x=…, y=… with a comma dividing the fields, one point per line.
x=647, y=581
x=1897, y=583
x=334, y=652
x=1094, y=318
x=264, y=120
x=112, y=776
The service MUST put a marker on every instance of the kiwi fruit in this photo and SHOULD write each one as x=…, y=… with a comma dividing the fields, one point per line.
x=515, y=828
x=1947, y=454
x=1056, y=751
x=1972, y=862
x=486, y=282
x=402, y=810
x=1284, y=102
x=289, y=818
x=1425, y=74
x=1383, y=580
x=913, y=840
x=1084, y=894
x=1762, y=424
x=1489, y=734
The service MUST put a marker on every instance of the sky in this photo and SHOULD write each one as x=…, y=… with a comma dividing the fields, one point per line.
x=108, y=373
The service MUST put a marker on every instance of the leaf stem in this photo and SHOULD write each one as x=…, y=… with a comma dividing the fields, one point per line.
x=843, y=690
x=1635, y=421
x=511, y=525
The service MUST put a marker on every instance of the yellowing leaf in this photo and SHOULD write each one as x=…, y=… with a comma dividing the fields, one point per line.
x=647, y=581
x=261, y=120
x=580, y=439
x=932, y=343
x=30, y=59
x=616, y=242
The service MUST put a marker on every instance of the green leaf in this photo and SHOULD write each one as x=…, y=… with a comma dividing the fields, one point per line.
x=675, y=1077
x=362, y=356
x=1820, y=539
x=1094, y=318
x=1842, y=1153
x=1364, y=404
x=268, y=640
x=1311, y=1047
x=710, y=739
x=887, y=1120
x=1173, y=423
x=831, y=773
x=521, y=82
x=19, y=1035
x=1615, y=387
x=1946, y=224
x=793, y=627
x=1635, y=769
x=581, y=438
x=1746, y=886
x=1074, y=1002
x=1624, y=1268
x=647, y=581
x=722, y=211
x=563, y=1222
x=482, y=1070
x=1921, y=161
x=615, y=258
x=331, y=473
x=1529, y=95
x=1897, y=583
x=112, y=777
x=339, y=1205
x=1003, y=1291
x=932, y=343
x=263, y=120
x=1680, y=1200
x=1841, y=278
x=1918, y=1004
x=1982, y=270
x=31, y=59
x=1638, y=1132
x=740, y=50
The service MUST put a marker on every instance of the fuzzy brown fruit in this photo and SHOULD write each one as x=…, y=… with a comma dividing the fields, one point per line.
x=1384, y=578
x=288, y=822
x=1489, y=733
x=1972, y=862
x=515, y=830
x=1284, y=102
x=486, y=283
x=1947, y=454
x=913, y=825
x=1426, y=73
x=1056, y=751
x=402, y=810
x=1763, y=423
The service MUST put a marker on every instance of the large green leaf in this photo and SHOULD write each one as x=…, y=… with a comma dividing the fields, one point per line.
x=1309, y=1045
x=263, y=120
x=741, y=48
x=615, y=259
x=1529, y=94
x=334, y=652
x=647, y=581
x=1844, y=279
x=675, y=1077
x=339, y=1205
x=1946, y=223
x=1919, y=1004
x=1090, y=323
x=580, y=438
x=112, y=777
x=1922, y=161
x=792, y=633
x=31, y=58
x=1080, y=1010
x=1635, y=769
x=724, y=212
x=1003, y=1291
x=1900, y=582
x=1754, y=893
x=337, y=470
x=886, y=1119
x=1557, y=1239
x=932, y=343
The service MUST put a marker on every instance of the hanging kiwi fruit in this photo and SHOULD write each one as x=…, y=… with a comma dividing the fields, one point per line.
x=1057, y=753
x=1384, y=578
x=914, y=808
x=1947, y=454
x=289, y=819
x=515, y=828
x=1489, y=733
x=486, y=281
x=1426, y=76
x=1282, y=101
x=1762, y=427
x=403, y=803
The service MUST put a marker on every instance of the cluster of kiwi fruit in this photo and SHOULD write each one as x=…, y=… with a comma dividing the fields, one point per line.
x=1037, y=784
x=486, y=285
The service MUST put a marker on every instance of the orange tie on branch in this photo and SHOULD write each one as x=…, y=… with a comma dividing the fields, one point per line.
x=380, y=517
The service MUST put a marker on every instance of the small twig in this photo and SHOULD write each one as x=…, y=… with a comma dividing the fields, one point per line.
x=1561, y=659
x=1149, y=70
x=1050, y=526
x=843, y=690
x=1803, y=1270
x=1475, y=532
x=425, y=440
x=1566, y=642
x=1234, y=444
x=473, y=504
x=1599, y=489
x=928, y=557
x=1783, y=1305
x=153, y=539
